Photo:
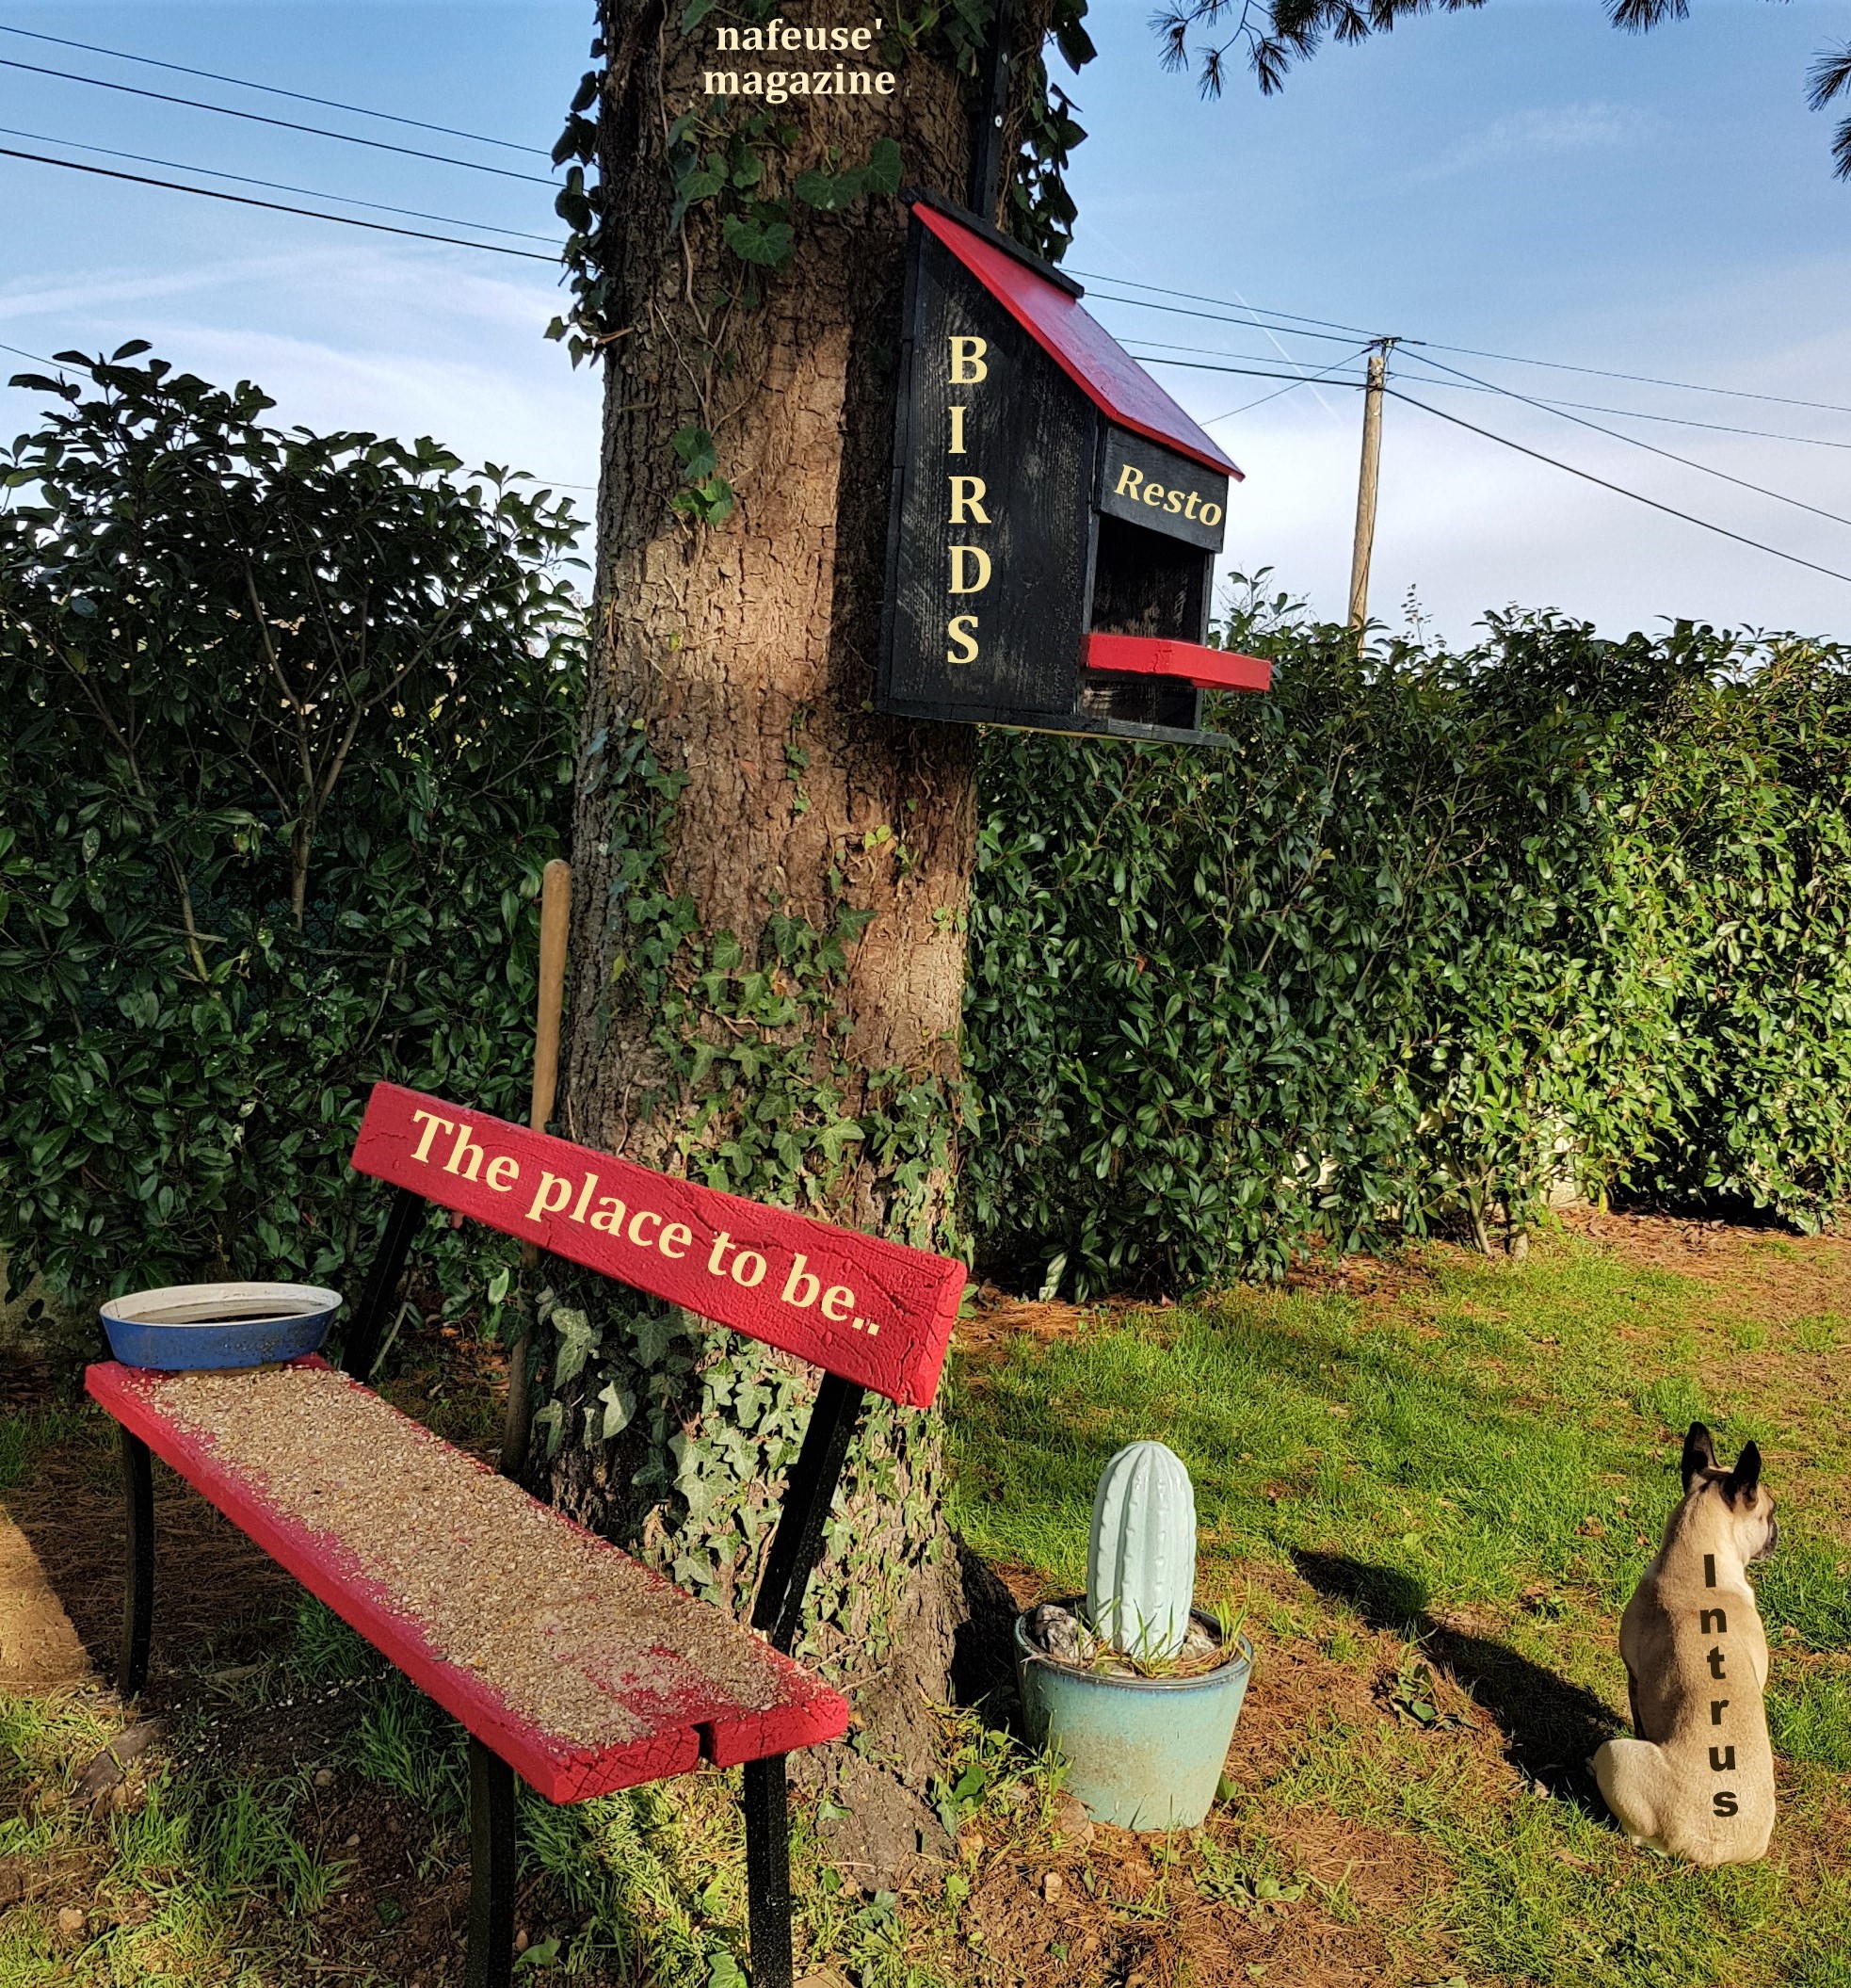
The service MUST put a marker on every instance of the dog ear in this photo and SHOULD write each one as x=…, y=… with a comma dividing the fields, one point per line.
x=1699, y=1452
x=1741, y=1481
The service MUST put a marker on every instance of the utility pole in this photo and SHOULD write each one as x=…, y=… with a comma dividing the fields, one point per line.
x=1367, y=481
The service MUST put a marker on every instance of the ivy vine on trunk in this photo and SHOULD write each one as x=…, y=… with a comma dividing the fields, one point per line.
x=771, y=881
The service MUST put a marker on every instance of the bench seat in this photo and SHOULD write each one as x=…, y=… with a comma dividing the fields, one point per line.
x=582, y=1668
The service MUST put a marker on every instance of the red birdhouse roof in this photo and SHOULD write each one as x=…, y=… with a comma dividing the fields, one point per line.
x=1077, y=343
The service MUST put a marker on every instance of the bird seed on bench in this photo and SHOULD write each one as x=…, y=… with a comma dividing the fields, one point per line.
x=572, y=1633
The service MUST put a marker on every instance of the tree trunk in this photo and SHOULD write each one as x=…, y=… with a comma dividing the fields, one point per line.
x=770, y=881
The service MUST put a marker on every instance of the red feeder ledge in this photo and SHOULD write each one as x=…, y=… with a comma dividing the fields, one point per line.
x=1155, y=656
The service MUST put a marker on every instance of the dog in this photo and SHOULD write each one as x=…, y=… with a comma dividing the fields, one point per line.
x=1698, y=1781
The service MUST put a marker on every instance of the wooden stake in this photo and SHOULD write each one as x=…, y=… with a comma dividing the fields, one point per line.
x=556, y=912
x=556, y=915
x=1365, y=488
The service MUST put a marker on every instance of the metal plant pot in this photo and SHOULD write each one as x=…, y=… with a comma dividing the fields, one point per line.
x=185, y=1326
x=1143, y=1753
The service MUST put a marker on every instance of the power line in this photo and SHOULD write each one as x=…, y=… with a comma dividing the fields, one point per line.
x=1761, y=490
x=254, y=117
x=1671, y=511
x=1248, y=406
x=1598, y=372
x=1687, y=386
x=1198, y=366
x=1468, y=383
x=245, y=200
x=1131, y=282
x=1164, y=344
x=1252, y=323
x=245, y=179
x=1619, y=489
x=211, y=75
x=1278, y=344
x=1464, y=383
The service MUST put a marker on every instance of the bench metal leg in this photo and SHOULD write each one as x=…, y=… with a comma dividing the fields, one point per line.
x=139, y=1599
x=490, y=1868
x=768, y=1871
x=777, y=1612
x=360, y=1351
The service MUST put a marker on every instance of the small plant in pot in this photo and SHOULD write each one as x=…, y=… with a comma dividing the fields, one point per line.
x=1137, y=1688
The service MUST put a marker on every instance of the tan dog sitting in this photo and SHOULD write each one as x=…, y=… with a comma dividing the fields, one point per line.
x=1699, y=1780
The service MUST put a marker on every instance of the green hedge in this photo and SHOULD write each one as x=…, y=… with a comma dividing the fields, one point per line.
x=286, y=733
x=287, y=720
x=1440, y=933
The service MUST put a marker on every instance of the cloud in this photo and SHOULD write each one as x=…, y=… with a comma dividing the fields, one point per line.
x=35, y=297
x=1557, y=131
x=394, y=340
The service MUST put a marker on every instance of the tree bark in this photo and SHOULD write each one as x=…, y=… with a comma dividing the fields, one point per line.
x=740, y=647
x=730, y=764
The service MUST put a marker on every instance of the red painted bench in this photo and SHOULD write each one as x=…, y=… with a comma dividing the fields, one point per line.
x=605, y=1674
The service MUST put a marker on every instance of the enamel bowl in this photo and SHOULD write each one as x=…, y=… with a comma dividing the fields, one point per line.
x=185, y=1326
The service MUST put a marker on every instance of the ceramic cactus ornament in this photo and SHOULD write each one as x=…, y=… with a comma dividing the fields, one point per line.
x=1141, y=1559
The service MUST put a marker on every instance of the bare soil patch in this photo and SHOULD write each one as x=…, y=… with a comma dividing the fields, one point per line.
x=218, y=1597
x=1776, y=1275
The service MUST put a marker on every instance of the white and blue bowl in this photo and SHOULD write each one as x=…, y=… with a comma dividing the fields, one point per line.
x=183, y=1327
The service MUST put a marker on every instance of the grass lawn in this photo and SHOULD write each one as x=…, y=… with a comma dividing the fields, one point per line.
x=1464, y=1468
x=1427, y=1486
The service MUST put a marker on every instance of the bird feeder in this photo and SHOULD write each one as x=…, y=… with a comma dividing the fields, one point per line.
x=1056, y=514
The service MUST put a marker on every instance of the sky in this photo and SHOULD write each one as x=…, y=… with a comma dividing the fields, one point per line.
x=1522, y=181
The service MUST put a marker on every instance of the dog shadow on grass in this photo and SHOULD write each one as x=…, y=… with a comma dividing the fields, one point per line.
x=1550, y=1726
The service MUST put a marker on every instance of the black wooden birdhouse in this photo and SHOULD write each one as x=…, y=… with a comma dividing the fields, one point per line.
x=1056, y=515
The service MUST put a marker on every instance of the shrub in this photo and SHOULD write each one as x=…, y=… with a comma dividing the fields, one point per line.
x=1439, y=934
x=285, y=750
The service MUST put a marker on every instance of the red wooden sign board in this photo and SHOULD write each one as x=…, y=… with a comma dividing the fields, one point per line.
x=870, y=1310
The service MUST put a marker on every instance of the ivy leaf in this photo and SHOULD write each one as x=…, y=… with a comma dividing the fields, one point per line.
x=883, y=167
x=1075, y=45
x=694, y=13
x=552, y=1418
x=651, y=1331
x=700, y=457
x=765, y=244
x=703, y=183
x=579, y=1339
x=832, y=192
x=708, y=502
x=837, y=1138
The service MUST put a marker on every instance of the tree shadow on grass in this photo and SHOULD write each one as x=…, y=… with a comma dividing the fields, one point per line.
x=1550, y=1726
